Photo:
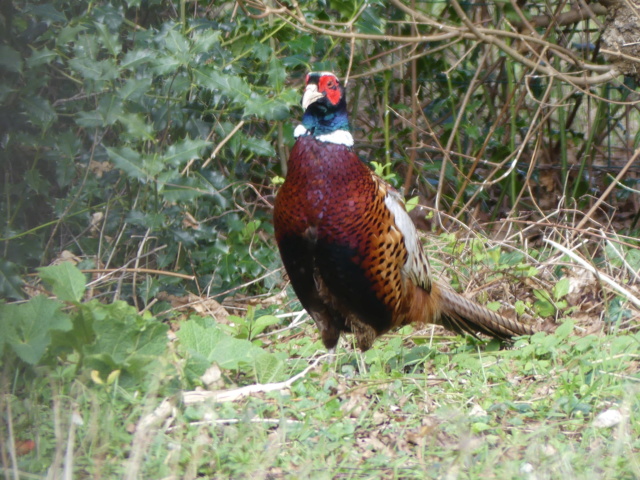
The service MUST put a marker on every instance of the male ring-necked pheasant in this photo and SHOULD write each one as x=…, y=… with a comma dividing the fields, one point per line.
x=347, y=243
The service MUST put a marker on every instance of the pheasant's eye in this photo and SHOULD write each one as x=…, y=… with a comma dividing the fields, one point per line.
x=330, y=84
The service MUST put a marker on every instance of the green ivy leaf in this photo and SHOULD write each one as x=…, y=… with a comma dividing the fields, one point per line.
x=67, y=281
x=27, y=327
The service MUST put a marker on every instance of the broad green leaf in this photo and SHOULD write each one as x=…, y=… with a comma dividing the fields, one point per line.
x=165, y=64
x=43, y=56
x=411, y=203
x=91, y=119
x=232, y=86
x=69, y=34
x=124, y=340
x=47, y=11
x=40, y=111
x=259, y=146
x=128, y=160
x=67, y=281
x=109, y=40
x=493, y=306
x=205, y=40
x=261, y=323
x=186, y=189
x=185, y=150
x=134, y=58
x=561, y=288
x=110, y=107
x=268, y=367
x=95, y=69
x=109, y=110
x=633, y=259
x=37, y=182
x=265, y=107
x=371, y=21
x=277, y=74
x=10, y=281
x=564, y=330
x=544, y=306
x=137, y=127
x=261, y=51
x=214, y=345
x=27, y=327
x=10, y=59
x=134, y=89
x=177, y=44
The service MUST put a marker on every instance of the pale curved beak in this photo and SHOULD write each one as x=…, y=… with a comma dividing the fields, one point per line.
x=310, y=95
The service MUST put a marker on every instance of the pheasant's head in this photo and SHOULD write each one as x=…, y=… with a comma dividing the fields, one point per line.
x=325, y=109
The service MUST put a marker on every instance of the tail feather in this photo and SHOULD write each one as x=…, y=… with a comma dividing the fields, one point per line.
x=464, y=316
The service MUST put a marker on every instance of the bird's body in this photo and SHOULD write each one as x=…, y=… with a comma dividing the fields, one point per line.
x=347, y=243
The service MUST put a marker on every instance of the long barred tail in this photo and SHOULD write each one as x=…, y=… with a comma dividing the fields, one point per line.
x=464, y=316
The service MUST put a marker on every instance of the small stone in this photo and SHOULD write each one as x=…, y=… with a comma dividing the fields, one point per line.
x=477, y=411
x=608, y=418
x=526, y=468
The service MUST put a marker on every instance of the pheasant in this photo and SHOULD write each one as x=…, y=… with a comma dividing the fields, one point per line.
x=349, y=247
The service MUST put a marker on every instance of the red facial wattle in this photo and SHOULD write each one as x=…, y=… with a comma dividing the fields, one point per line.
x=329, y=85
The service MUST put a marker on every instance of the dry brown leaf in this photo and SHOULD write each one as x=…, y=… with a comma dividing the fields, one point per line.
x=100, y=168
x=200, y=305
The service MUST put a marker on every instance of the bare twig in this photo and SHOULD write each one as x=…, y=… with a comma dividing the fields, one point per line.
x=602, y=276
x=609, y=189
x=142, y=437
x=232, y=395
x=111, y=271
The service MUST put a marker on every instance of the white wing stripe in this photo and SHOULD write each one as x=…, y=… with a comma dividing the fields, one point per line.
x=417, y=265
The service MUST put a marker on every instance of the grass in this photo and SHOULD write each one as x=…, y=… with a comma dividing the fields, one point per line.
x=420, y=404
x=416, y=413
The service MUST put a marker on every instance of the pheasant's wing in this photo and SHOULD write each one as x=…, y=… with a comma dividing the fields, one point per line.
x=416, y=266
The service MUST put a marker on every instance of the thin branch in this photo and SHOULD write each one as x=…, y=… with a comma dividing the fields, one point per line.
x=192, y=397
x=111, y=271
x=610, y=188
x=602, y=276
